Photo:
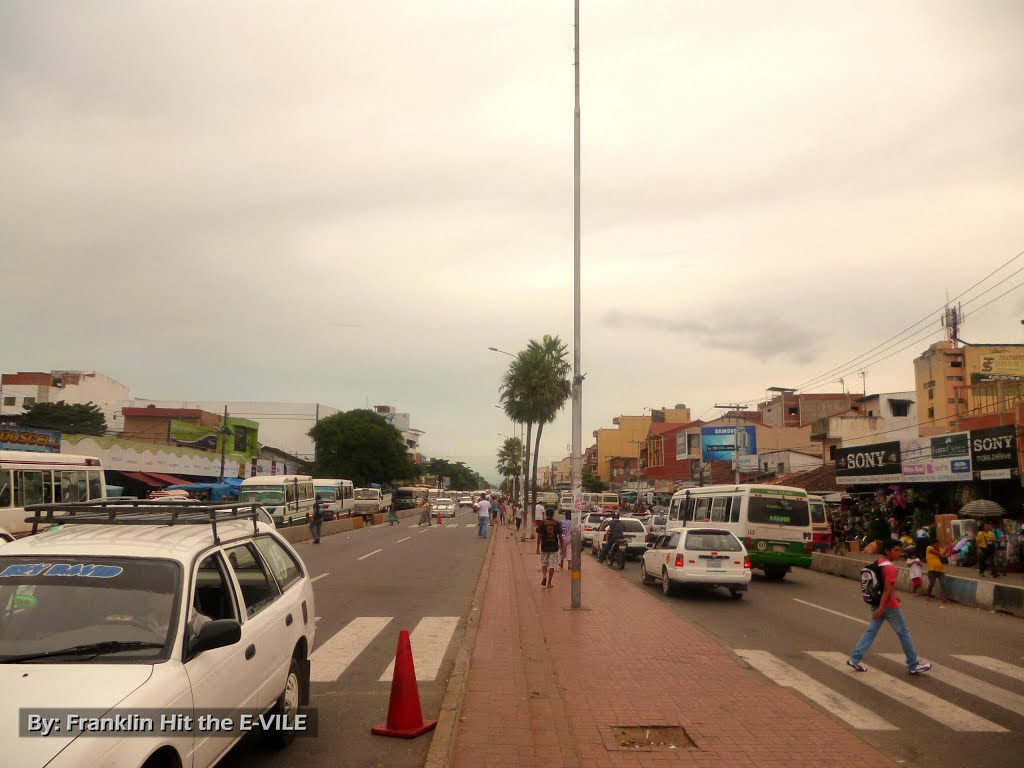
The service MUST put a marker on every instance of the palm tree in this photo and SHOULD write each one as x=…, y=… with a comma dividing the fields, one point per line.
x=516, y=395
x=510, y=460
x=552, y=389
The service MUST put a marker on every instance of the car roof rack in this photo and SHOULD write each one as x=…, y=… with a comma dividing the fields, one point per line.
x=122, y=511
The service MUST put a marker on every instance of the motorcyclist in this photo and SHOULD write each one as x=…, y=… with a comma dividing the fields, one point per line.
x=616, y=532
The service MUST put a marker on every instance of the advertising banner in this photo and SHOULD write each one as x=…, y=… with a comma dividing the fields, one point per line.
x=736, y=444
x=994, y=451
x=945, y=458
x=29, y=439
x=194, y=436
x=877, y=463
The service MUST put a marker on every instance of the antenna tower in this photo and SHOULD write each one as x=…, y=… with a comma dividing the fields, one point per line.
x=951, y=321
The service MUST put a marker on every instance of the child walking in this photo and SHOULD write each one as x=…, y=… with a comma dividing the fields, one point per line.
x=914, y=564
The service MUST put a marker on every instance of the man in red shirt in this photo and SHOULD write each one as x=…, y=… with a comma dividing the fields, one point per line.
x=888, y=609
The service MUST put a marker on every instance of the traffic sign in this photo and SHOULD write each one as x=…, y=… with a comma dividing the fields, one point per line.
x=577, y=504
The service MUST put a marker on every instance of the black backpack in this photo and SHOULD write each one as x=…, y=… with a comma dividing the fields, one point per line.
x=872, y=584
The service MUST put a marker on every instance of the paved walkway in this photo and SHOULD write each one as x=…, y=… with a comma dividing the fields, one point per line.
x=547, y=684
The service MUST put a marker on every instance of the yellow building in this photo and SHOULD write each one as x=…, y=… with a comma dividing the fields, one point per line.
x=969, y=380
x=630, y=433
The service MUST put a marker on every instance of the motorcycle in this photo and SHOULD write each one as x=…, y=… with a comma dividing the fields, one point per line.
x=617, y=555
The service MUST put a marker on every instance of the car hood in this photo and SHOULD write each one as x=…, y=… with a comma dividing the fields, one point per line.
x=58, y=686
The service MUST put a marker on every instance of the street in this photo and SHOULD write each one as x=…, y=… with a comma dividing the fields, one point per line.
x=968, y=711
x=370, y=583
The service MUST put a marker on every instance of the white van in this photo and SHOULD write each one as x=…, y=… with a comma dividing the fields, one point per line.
x=30, y=477
x=288, y=498
x=337, y=497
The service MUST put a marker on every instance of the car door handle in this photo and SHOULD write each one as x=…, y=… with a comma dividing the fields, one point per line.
x=250, y=652
x=288, y=620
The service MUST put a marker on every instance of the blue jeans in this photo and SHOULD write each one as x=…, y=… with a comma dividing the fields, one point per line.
x=481, y=527
x=895, y=618
x=314, y=528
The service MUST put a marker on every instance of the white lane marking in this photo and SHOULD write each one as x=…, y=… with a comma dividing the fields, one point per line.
x=317, y=619
x=317, y=578
x=405, y=539
x=452, y=525
x=471, y=525
x=994, y=665
x=790, y=677
x=333, y=657
x=424, y=530
x=429, y=641
x=972, y=685
x=368, y=554
x=829, y=610
x=927, y=704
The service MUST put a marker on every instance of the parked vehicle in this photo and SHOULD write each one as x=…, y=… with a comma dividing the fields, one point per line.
x=707, y=557
x=30, y=477
x=636, y=536
x=154, y=617
x=773, y=521
x=336, y=496
x=288, y=498
x=411, y=497
x=371, y=501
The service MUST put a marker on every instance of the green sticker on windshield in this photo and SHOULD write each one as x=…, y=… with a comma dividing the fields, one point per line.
x=25, y=601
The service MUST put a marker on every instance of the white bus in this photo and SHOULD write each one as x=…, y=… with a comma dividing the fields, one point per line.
x=30, y=477
x=286, y=497
x=338, y=497
x=772, y=521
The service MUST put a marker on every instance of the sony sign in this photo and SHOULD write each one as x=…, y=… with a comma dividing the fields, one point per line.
x=879, y=461
x=994, y=448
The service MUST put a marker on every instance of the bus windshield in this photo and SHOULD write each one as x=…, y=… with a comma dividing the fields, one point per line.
x=260, y=495
x=778, y=511
x=364, y=494
x=817, y=512
x=327, y=494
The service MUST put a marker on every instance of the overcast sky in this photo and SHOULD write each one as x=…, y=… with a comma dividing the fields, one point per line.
x=348, y=202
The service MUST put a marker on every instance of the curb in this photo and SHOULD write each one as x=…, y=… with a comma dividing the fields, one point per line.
x=296, y=533
x=987, y=595
x=440, y=753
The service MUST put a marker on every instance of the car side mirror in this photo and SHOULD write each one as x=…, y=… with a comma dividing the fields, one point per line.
x=215, y=634
x=650, y=545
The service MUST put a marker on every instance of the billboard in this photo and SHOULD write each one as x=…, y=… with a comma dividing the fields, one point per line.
x=736, y=444
x=29, y=439
x=880, y=462
x=945, y=458
x=994, y=452
x=241, y=436
x=940, y=459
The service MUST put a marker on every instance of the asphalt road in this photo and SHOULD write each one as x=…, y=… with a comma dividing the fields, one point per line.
x=811, y=612
x=371, y=583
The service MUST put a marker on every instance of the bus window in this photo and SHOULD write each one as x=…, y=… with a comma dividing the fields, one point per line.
x=720, y=509
x=736, y=502
x=28, y=488
x=95, y=485
x=72, y=486
x=5, y=489
x=702, y=510
x=673, y=513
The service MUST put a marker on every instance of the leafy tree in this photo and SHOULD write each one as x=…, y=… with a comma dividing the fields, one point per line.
x=510, y=463
x=76, y=419
x=593, y=484
x=460, y=477
x=361, y=446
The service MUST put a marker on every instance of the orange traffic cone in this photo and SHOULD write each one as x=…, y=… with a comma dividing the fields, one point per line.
x=439, y=517
x=405, y=717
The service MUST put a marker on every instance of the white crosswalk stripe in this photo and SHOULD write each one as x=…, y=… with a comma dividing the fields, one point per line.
x=331, y=659
x=789, y=677
x=927, y=704
x=429, y=640
x=994, y=665
x=972, y=685
x=471, y=525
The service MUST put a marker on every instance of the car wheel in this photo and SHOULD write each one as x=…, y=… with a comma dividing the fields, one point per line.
x=735, y=594
x=775, y=572
x=288, y=705
x=667, y=588
x=645, y=577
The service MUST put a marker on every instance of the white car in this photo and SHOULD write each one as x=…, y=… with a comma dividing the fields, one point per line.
x=709, y=557
x=634, y=530
x=443, y=507
x=111, y=613
x=591, y=522
x=466, y=501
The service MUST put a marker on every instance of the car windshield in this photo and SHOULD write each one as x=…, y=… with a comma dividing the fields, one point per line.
x=52, y=605
x=327, y=494
x=712, y=541
x=262, y=495
x=778, y=511
x=365, y=495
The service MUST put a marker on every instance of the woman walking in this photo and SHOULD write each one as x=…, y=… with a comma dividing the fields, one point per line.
x=565, y=537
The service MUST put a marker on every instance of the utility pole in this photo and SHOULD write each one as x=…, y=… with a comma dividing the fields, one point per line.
x=223, y=442
x=575, y=564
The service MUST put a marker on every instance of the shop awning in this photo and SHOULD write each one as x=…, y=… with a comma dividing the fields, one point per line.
x=155, y=479
x=168, y=479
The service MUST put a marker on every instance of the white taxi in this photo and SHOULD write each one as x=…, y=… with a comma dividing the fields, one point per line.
x=708, y=557
x=140, y=609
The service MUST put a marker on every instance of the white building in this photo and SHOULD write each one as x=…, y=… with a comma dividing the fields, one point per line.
x=785, y=461
x=401, y=422
x=874, y=419
x=282, y=425
x=23, y=389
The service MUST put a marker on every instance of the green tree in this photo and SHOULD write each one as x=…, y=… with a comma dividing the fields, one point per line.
x=593, y=484
x=76, y=419
x=510, y=463
x=460, y=477
x=361, y=446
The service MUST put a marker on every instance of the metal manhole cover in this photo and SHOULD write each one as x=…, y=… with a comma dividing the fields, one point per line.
x=650, y=738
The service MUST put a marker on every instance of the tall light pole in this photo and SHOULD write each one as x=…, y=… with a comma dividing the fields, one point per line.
x=576, y=563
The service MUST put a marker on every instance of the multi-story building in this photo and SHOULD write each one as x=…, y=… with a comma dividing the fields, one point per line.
x=561, y=472
x=23, y=389
x=872, y=419
x=792, y=409
x=402, y=423
x=624, y=443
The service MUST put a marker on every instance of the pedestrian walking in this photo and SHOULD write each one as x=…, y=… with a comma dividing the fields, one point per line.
x=565, y=537
x=878, y=582
x=936, y=559
x=494, y=509
x=519, y=515
x=538, y=514
x=392, y=513
x=549, y=534
x=922, y=538
x=914, y=564
x=483, y=514
x=986, y=541
x=425, y=514
x=317, y=521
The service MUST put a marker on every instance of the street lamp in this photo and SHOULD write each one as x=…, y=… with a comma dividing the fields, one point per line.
x=502, y=351
x=576, y=563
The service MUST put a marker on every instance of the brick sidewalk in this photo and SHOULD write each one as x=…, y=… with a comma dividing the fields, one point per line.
x=540, y=693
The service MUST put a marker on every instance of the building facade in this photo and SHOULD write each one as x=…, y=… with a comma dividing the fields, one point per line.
x=23, y=389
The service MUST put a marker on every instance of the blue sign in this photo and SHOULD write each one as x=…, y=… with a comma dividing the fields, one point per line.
x=28, y=439
x=728, y=444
